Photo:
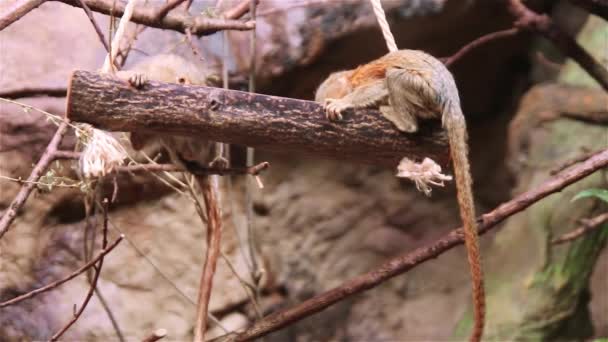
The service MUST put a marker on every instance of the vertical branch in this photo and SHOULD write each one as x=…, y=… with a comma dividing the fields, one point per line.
x=91, y=291
x=209, y=188
x=47, y=158
x=89, y=14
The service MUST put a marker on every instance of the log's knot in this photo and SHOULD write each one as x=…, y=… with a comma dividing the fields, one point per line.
x=214, y=102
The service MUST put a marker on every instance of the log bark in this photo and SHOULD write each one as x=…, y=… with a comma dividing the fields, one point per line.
x=255, y=120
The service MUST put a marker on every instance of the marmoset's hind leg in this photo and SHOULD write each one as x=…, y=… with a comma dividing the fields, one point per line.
x=410, y=97
x=362, y=97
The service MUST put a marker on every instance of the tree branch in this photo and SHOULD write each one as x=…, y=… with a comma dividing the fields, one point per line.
x=542, y=24
x=260, y=121
x=17, y=11
x=402, y=264
x=448, y=61
x=209, y=188
x=588, y=225
x=200, y=25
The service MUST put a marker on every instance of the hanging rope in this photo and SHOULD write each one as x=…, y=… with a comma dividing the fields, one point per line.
x=386, y=30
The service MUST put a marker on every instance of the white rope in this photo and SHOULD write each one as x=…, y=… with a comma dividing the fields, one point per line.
x=386, y=30
x=120, y=32
x=102, y=152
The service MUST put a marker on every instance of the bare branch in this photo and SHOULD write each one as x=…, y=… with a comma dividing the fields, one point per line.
x=527, y=19
x=588, y=226
x=402, y=264
x=448, y=61
x=89, y=14
x=18, y=10
x=44, y=162
x=209, y=188
x=200, y=25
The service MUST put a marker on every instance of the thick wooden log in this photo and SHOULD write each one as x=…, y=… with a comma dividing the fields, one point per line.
x=260, y=121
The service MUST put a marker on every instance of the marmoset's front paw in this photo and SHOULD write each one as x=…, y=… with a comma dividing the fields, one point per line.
x=138, y=80
x=334, y=109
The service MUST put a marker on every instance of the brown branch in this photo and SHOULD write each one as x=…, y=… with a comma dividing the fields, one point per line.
x=527, y=19
x=45, y=160
x=597, y=7
x=254, y=120
x=18, y=10
x=588, y=226
x=57, y=283
x=200, y=25
x=571, y=162
x=33, y=92
x=448, y=61
x=402, y=264
x=209, y=188
x=89, y=14
x=155, y=336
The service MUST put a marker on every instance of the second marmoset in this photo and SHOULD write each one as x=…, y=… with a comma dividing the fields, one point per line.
x=407, y=85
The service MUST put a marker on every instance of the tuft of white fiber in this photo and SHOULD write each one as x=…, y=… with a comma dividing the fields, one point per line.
x=423, y=174
x=101, y=154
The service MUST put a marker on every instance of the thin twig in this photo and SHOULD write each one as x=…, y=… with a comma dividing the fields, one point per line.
x=543, y=25
x=18, y=10
x=44, y=162
x=89, y=14
x=571, y=162
x=200, y=25
x=448, y=61
x=588, y=226
x=98, y=294
x=57, y=283
x=193, y=46
x=402, y=264
x=93, y=284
